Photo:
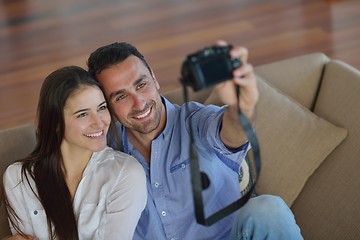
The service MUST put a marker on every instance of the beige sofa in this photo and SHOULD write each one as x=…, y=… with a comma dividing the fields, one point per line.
x=308, y=129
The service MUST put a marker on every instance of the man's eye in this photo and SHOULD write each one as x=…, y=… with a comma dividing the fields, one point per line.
x=141, y=85
x=120, y=97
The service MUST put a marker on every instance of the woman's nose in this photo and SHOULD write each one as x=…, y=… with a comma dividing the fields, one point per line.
x=97, y=120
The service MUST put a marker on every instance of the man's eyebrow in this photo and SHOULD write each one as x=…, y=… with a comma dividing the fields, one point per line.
x=117, y=92
x=139, y=80
x=120, y=91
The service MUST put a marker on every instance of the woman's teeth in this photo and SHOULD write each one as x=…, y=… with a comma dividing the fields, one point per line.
x=98, y=134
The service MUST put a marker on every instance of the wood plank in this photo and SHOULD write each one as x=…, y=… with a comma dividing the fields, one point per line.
x=38, y=36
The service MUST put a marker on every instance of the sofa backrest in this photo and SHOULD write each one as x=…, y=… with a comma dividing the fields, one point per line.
x=305, y=73
x=298, y=77
x=15, y=143
x=177, y=95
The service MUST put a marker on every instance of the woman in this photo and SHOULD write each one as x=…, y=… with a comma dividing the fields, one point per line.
x=72, y=186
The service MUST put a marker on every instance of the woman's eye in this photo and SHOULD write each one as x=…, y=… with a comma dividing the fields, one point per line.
x=103, y=107
x=81, y=115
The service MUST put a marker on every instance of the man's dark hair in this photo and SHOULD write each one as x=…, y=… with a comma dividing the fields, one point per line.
x=110, y=55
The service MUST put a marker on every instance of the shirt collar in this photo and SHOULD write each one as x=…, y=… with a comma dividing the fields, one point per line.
x=94, y=159
x=170, y=111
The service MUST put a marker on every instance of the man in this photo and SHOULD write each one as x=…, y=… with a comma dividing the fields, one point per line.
x=156, y=132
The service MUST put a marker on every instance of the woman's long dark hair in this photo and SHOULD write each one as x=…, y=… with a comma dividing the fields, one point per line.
x=45, y=164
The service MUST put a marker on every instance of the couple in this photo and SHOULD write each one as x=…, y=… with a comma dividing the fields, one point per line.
x=72, y=186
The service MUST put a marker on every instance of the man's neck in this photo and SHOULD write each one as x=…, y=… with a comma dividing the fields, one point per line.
x=142, y=142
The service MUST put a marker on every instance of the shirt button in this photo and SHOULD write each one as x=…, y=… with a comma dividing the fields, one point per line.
x=183, y=165
x=35, y=212
x=163, y=213
x=156, y=184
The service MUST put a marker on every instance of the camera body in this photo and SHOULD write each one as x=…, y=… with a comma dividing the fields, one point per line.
x=207, y=67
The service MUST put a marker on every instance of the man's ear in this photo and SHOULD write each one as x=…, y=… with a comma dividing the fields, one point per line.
x=155, y=80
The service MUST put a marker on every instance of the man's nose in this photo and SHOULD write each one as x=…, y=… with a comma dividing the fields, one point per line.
x=138, y=102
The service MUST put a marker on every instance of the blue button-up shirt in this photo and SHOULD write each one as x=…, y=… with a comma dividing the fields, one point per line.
x=169, y=213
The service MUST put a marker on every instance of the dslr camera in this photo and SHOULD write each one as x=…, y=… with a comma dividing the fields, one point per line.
x=208, y=66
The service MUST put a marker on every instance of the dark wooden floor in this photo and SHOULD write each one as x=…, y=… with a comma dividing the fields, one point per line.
x=38, y=36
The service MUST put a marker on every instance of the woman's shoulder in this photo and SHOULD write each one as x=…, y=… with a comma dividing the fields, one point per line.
x=14, y=166
x=13, y=170
x=12, y=175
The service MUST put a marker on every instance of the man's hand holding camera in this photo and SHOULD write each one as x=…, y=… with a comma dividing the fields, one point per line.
x=227, y=67
x=243, y=77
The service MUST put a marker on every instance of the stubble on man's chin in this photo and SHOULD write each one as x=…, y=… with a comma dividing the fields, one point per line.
x=146, y=127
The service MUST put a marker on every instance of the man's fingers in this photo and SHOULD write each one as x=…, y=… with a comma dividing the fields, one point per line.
x=241, y=53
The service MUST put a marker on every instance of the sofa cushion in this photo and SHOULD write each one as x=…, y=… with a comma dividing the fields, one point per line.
x=293, y=142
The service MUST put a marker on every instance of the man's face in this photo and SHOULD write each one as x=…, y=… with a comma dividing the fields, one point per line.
x=133, y=94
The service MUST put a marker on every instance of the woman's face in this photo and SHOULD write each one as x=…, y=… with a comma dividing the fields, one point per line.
x=87, y=120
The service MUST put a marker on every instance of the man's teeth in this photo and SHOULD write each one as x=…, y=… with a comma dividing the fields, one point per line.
x=94, y=134
x=144, y=114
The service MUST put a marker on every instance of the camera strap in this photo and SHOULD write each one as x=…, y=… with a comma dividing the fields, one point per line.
x=200, y=181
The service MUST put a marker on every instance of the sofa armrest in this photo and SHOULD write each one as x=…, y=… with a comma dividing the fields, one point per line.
x=328, y=206
x=15, y=143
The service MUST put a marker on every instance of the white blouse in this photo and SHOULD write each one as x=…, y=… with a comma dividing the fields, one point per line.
x=107, y=204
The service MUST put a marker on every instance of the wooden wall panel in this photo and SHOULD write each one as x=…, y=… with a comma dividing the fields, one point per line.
x=38, y=36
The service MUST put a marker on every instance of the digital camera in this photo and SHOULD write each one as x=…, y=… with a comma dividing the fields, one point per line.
x=207, y=67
